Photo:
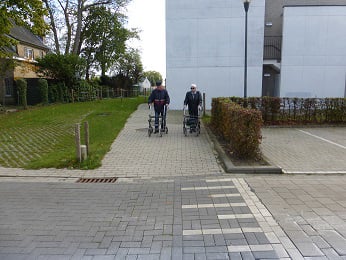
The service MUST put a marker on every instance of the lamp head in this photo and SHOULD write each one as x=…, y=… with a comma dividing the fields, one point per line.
x=246, y=5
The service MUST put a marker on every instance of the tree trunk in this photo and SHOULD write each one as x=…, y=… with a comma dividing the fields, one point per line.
x=87, y=74
x=68, y=26
x=103, y=70
x=52, y=24
x=77, y=40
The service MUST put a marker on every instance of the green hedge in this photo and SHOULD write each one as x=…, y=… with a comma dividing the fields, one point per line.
x=85, y=91
x=240, y=127
x=22, y=91
x=58, y=93
x=43, y=89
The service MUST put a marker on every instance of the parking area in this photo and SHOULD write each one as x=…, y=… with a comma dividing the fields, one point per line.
x=319, y=150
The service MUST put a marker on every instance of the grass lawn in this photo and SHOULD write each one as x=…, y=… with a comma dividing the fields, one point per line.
x=43, y=137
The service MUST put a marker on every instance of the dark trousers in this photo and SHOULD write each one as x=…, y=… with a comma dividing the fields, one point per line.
x=193, y=111
x=159, y=113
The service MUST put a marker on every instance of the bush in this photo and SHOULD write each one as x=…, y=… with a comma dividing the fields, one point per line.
x=240, y=127
x=297, y=110
x=22, y=89
x=58, y=93
x=85, y=91
x=63, y=68
x=53, y=93
x=43, y=89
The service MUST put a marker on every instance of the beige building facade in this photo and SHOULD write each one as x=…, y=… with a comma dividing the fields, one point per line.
x=29, y=47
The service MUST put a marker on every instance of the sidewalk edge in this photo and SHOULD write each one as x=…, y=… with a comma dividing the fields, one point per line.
x=229, y=167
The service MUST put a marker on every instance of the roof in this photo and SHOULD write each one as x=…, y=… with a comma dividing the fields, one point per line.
x=23, y=35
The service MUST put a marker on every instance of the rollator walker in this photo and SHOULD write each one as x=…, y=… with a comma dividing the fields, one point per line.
x=192, y=124
x=162, y=122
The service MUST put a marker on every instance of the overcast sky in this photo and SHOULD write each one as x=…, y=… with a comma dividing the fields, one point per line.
x=149, y=16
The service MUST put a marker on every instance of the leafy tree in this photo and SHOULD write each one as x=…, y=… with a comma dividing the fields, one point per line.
x=64, y=68
x=5, y=65
x=152, y=76
x=105, y=38
x=72, y=23
x=129, y=65
x=27, y=13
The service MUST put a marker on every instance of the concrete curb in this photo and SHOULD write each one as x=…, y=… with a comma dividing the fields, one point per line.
x=229, y=167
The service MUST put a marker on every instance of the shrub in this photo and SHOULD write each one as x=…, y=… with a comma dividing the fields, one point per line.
x=43, y=89
x=63, y=68
x=22, y=89
x=58, y=93
x=85, y=91
x=297, y=110
x=240, y=127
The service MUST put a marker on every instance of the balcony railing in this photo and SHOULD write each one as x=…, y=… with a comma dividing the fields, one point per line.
x=272, y=47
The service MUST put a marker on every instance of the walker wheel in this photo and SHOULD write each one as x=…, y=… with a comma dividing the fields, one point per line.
x=197, y=131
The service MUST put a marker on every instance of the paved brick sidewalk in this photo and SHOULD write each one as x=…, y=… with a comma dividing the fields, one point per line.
x=134, y=154
x=209, y=217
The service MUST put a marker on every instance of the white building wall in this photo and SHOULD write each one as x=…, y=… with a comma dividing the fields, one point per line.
x=313, y=51
x=205, y=46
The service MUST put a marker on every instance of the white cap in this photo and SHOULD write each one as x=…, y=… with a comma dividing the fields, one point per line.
x=194, y=85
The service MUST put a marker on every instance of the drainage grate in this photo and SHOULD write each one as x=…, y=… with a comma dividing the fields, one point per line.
x=97, y=180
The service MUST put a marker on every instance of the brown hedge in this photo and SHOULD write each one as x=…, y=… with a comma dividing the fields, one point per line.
x=240, y=127
x=277, y=110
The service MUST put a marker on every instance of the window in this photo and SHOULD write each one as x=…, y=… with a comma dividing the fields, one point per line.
x=28, y=53
x=8, y=87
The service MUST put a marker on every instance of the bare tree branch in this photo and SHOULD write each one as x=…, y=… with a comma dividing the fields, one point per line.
x=53, y=27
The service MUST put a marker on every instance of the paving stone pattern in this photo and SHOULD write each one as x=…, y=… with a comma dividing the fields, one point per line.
x=189, y=218
x=310, y=209
x=306, y=150
x=172, y=200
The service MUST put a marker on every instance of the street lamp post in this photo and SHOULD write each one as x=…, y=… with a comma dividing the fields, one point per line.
x=246, y=8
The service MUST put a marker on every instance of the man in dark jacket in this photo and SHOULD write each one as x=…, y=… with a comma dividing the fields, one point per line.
x=161, y=100
x=193, y=99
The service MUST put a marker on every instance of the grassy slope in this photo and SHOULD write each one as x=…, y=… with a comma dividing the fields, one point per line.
x=43, y=137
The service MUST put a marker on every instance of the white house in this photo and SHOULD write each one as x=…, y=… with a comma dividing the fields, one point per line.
x=145, y=84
